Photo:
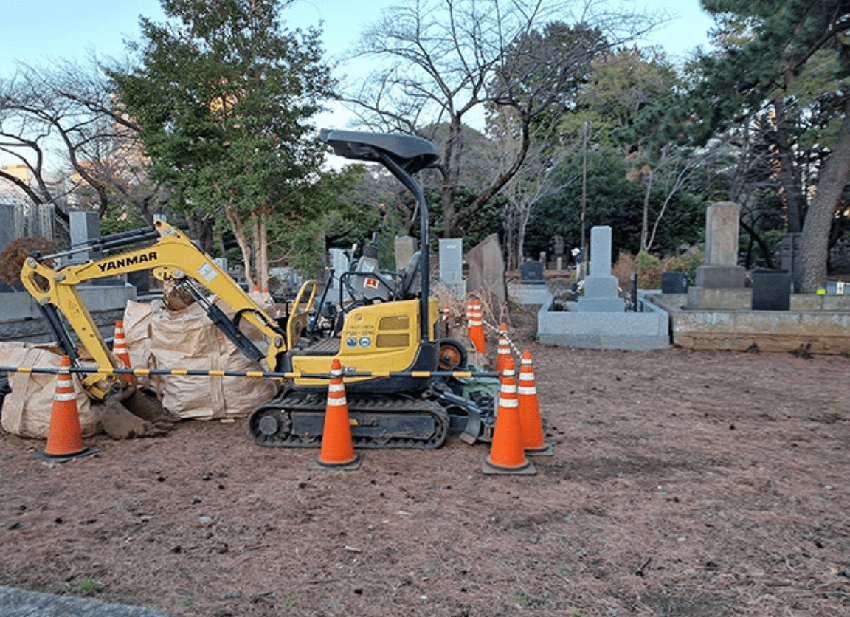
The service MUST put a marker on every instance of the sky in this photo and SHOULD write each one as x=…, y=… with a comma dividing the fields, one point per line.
x=41, y=32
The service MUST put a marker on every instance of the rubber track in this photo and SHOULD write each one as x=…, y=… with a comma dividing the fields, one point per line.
x=385, y=405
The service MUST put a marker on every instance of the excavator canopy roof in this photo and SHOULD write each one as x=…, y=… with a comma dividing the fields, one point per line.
x=410, y=152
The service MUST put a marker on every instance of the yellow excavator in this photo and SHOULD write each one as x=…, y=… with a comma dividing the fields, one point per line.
x=384, y=330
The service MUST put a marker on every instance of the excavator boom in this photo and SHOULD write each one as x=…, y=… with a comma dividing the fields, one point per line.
x=171, y=255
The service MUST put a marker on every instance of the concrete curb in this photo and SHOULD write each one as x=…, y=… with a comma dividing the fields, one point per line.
x=21, y=603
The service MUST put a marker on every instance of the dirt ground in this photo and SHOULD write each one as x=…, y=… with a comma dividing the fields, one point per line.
x=683, y=484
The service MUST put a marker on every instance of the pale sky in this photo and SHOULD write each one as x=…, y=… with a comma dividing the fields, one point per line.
x=39, y=32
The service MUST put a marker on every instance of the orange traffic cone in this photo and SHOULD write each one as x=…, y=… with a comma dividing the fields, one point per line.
x=120, y=350
x=337, y=448
x=503, y=353
x=476, y=329
x=444, y=316
x=507, y=455
x=529, y=410
x=65, y=436
x=469, y=319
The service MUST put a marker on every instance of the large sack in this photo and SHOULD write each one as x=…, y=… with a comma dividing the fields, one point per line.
x=137, y=331
x=27, y=409
x=187, y=339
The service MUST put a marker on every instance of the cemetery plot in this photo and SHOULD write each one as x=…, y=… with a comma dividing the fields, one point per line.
x=682, y=483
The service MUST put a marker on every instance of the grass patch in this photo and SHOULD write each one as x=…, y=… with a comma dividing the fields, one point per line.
x=88, y=586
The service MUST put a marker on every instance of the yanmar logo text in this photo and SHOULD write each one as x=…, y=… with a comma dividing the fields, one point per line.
x=114, y=264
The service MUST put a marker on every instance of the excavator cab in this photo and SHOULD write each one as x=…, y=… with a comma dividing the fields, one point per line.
x=389, y=325
x=387, y=344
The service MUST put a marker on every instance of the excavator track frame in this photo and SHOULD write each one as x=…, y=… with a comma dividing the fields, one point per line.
x=296, y=420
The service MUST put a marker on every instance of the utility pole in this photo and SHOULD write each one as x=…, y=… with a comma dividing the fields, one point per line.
x=583, y=271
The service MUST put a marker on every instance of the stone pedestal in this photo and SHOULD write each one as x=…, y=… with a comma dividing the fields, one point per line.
x=702, y=298
x=721, y=277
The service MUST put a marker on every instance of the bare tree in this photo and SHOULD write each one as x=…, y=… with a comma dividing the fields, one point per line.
x=441, y=62
x=63, y=121
x=533, y=181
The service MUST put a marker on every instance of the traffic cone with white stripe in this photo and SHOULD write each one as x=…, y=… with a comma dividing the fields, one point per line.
x=65, y=436
x=120, y=350
x=337, y=448
x=507, y=455
x=476, y=329
x=529, y=410
x=503, y=353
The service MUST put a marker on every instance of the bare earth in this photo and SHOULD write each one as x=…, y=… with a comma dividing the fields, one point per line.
x=683, y=483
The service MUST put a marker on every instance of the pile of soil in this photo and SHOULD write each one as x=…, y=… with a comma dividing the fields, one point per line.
x=682, y=484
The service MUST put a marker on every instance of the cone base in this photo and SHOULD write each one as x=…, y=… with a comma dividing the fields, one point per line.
x=547, y=449
x=63, y=458
x=353, y=464
x=491, y=469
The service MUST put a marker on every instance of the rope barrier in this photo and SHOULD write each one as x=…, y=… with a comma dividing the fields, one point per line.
x=497, y=330
x=139, y=372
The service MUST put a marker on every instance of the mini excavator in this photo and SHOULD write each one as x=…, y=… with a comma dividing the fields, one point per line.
x=384, y=331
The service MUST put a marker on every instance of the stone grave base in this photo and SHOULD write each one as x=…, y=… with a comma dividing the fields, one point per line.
x=635, y=331
x=22, y=319
x=530, y=294
x=820, y=324
x=703, y=298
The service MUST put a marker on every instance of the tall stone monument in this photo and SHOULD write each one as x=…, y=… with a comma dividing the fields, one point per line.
x=8, y=226
x=487, y=268
x=451, y=265
x=405, y=248
x=601, y=293
x=721, y=282
x=339, y=264
x=84, y=226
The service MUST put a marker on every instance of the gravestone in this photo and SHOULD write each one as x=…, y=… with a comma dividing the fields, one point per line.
x=559, y=245
x=487, y=269
x=559, y=259
x=531, y=273
x=41, y=221
x=674, y=282
x=339, y=264
x=531, y=288
x=84, y=226
x=789, y=257
x=601, y=293
x=405, y=247
x=721, y=282
x=7, y=232
x=451, y=265
x=721, y=269
x=7, y=225
x=771, y=290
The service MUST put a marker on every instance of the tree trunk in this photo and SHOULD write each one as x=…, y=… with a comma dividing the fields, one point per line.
x=644, y=228
x=502, y=180
x=789, y=175
x=262, y=244
x=451, y=173
x=815, y=240
x=242, y=240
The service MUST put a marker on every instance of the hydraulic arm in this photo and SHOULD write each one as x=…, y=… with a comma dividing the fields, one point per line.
x=170, y=255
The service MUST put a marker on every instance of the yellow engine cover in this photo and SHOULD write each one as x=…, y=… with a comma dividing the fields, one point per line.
x=379, y=338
